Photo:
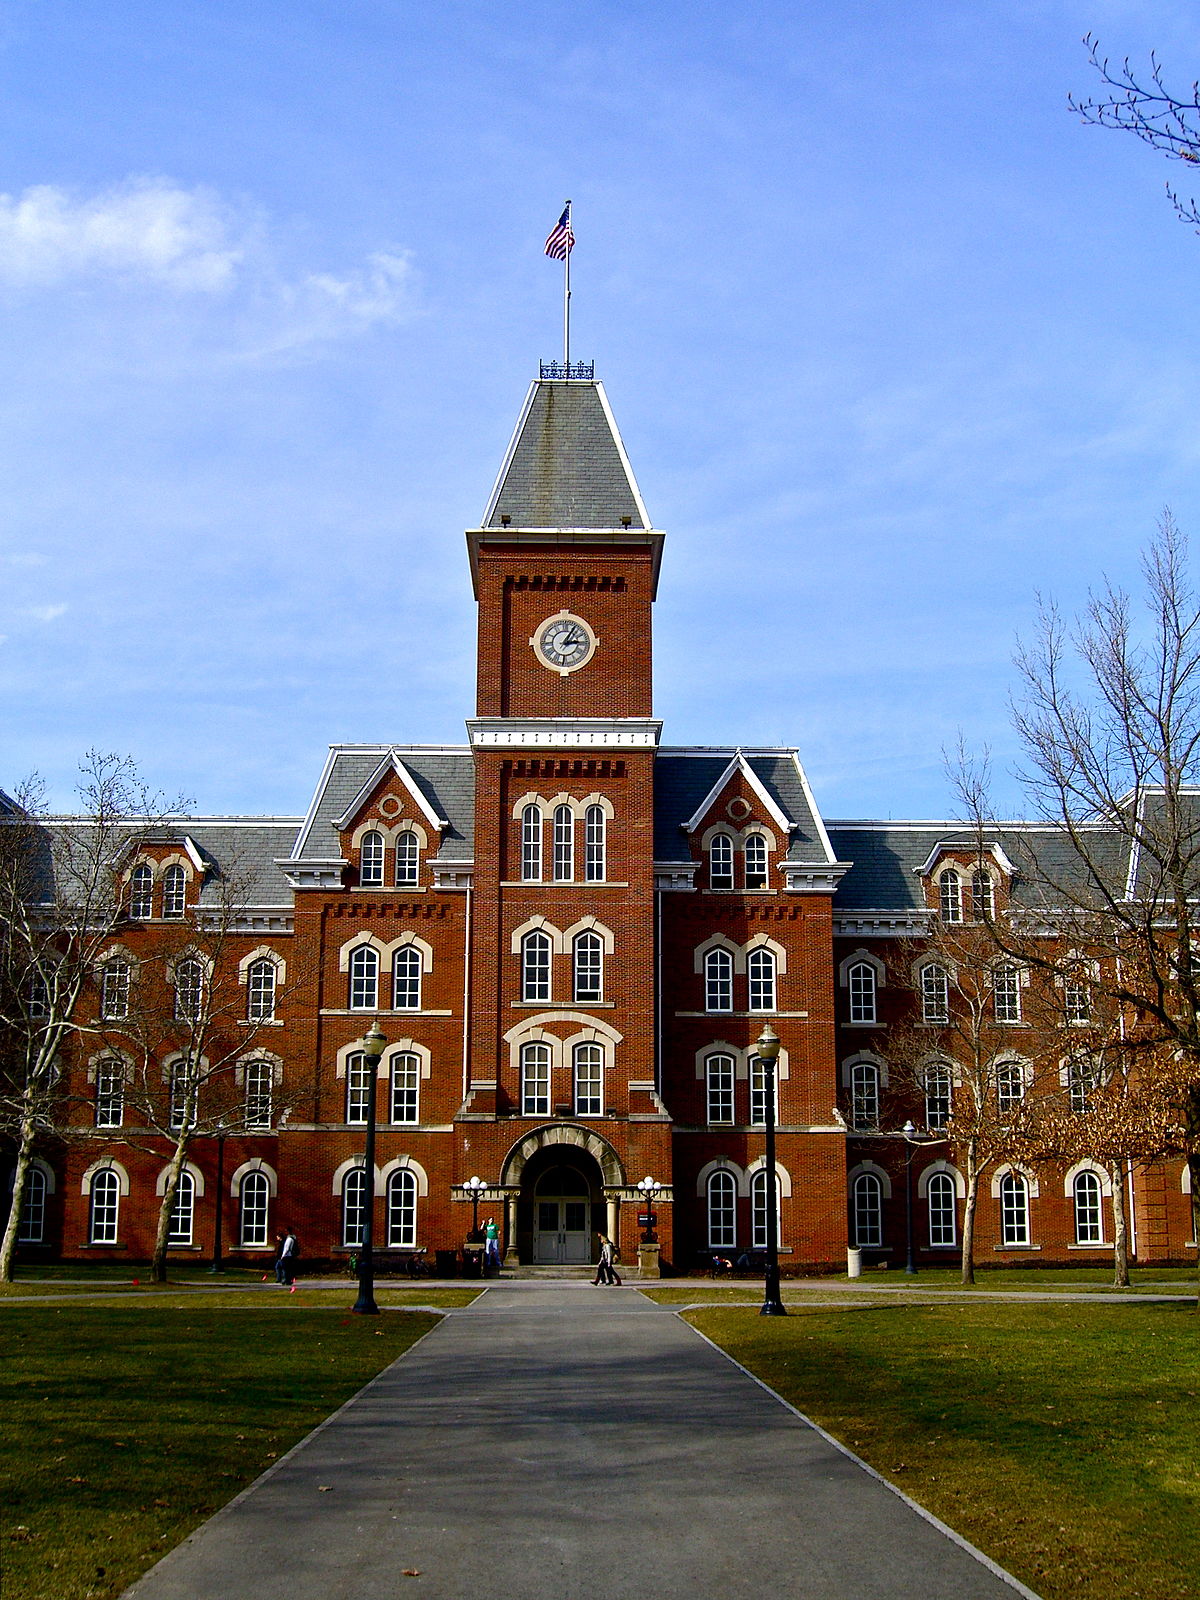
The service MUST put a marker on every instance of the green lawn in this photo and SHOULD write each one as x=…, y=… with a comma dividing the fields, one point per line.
x=125, y=1425
x=1060, y=1439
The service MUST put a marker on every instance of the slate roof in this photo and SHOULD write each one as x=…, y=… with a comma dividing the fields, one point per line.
x=566, y=466
x=444, y=775
x=682, y=779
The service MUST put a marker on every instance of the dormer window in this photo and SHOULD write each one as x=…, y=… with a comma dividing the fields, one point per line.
x=950, y=896
x=408, y=857
x=756, y=861
x=141, y=892
x=983, y=900
x=370, y=860
x=720, y=862
x=174, y=892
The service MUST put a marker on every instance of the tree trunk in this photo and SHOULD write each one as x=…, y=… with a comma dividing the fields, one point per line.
x=1120, y=1229
x=968, y=1239
x=1194, y=1174
x=8, y=1246
x=158, y=1261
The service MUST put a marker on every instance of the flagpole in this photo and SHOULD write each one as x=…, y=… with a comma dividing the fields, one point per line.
x=567, y=298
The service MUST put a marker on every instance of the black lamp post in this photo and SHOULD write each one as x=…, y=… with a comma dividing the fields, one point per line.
x=767, y=1048
x=474, y=1187
x=374, y=1044
x=908, y=1133
x=648, y=1189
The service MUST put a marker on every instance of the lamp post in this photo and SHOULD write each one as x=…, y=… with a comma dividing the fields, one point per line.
x=648, y=1189
x=374, y=1044
x=767, y=1048
x=908, y=1133
x=474, y=1187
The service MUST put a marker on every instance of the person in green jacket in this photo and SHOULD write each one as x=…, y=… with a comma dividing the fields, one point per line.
x=491, y=1244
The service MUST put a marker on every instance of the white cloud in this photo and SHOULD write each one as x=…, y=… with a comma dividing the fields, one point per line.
x=46, y=613
x=146, y=228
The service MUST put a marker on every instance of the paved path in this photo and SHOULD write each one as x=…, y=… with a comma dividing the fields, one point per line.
x=568, y=1443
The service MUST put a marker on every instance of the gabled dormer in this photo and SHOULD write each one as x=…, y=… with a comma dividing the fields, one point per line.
x=738, y=832
x=966, y=881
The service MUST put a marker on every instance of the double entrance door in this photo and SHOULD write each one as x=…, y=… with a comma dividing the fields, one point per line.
x=562, y=1219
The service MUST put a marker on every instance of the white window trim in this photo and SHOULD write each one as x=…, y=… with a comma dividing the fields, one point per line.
x=935, y=1167
x=160, y=1184
x=255, y=1164
x=105, y=1164
x=264, y=952
x=783, y=1178
x=405, y=1164
x=1087, y=1165
x=1018, y=1171
x=876, y=1171
x=721, y=1164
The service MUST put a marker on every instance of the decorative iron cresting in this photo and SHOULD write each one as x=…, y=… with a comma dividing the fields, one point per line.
x=567, y=369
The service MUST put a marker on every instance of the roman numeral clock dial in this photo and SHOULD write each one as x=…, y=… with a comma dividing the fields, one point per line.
x=564, y=643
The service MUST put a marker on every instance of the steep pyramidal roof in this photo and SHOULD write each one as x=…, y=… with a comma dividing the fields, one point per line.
x=566, y=466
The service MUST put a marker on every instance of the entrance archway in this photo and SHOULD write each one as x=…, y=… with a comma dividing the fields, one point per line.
x=562, y=1202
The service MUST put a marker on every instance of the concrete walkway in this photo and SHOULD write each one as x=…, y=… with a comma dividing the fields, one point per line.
x=568, y=1443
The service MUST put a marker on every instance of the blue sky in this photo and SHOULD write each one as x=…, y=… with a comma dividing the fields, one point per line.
x=893, y=340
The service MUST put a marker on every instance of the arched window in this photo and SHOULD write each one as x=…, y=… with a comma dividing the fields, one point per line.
x=861, y=983
x=1089, y=1219
x=718, y=1073
x=408, y=857
x=1077, y=1000
x=760, y=969
x=594, y=845
x=110, y=1093
x=564, y=844
x=758, y=1210
x=358, y=1088
x=868, y=1211
x=589, y=967
x=864, y=1095
x=756, y=861
x=589, y=1080
x=535, y=966
x=364, y=978
x=402, y=1210
x=762, y=1082
x=718, y=981
x=354, y=1207
x=105, y=1207
x=406, y=979
x=983, y=899
x=183, y=1094
x=1006, y=993
x=405, y=1086
x=531, y=844
x=189, y=990
x=32, y=1226
x=935, y=994
x=141, y=892
x=535, y=1080
x=259, y=1082
x=1010, y=1085
x=943, y=1217
x=254, y=1200
x=114, y=990
x=1014, y=1209
x=938, y=1090
x=370, y=858
x=179, y=1226
x=1081, y=1083
x=720, y=862
x=722, y=1211
x=260, y=991
x=174, y=891
x=950, y=896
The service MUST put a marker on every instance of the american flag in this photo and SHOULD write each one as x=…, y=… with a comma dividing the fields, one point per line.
x=562, y=237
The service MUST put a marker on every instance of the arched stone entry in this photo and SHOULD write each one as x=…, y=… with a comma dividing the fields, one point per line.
x=563, y=1183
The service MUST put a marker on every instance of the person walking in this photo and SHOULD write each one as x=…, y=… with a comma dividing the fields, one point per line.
x=278, y=1263
x=606, y=1271
x=286, y=1265
x=491, y=1245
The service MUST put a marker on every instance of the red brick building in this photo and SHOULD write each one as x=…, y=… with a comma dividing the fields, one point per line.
x=571, y=934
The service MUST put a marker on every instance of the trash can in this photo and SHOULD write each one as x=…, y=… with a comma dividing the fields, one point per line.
x=853, y=1262
x=447, y=1263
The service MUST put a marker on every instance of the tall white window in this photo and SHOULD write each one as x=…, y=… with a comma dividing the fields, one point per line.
x=354, y=1207
x=406, y=1082
x=722, y=1211
x=861, y=982
x=938, y=1089
x=260, y=991
x=364, y=978
x=406, y=978
x=942, y=1211
x=868, y=1211
x=259, y=1081
x=31, y=1228
x=756, y=861
x=760, y=970
x=589, y=968
x=110, y=1094
x=402, y=1210
x=983, y=900
x=535, y=966
x=758, y=1210
x=1089, y=1219
x=718, y=1073
x=595, y=868
x=183, y=1094
x=1081, y=1083
x=254, y=1200
x=1014, y=1209
x=720, y=862
x=1006, y=993
x=114, y=990
x=179, y=1225
x=174, y=891
x=762, y=1079
x=141, y=892
x=864, y=1095
x=358, y=1089
x=1010, y=1085
x=950, y=896
x=564, y=844
x=935, y=993
x=589, y=1080
x=370, y=858
x=189, y=990
x=105, y=1207
x=535, y=1080
x=531, y=844
x=1077, y=1000
x=408, y=857
x=718, y=981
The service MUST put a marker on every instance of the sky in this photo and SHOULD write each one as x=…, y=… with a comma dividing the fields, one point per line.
x=895, y=343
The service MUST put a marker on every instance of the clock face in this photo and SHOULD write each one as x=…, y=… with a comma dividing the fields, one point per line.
x=564, y=643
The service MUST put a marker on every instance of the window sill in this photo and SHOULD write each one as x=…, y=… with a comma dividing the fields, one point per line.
x=259, y=1022
x=798, y=1016
x=1102, y=1246
x=563, y=1005
x=561, y=883
x=91, y=1244
x=379, y=1011
x=1007, y=1249
x=387, y=888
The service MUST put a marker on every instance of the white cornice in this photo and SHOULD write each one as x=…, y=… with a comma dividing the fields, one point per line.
x=675, y=876
x=313, y=873
x=559, y=733
x=813, y=877
x=881, y=924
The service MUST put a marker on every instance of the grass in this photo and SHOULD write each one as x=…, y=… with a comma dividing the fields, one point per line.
x=1060, y=1439
x=127, y=1425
